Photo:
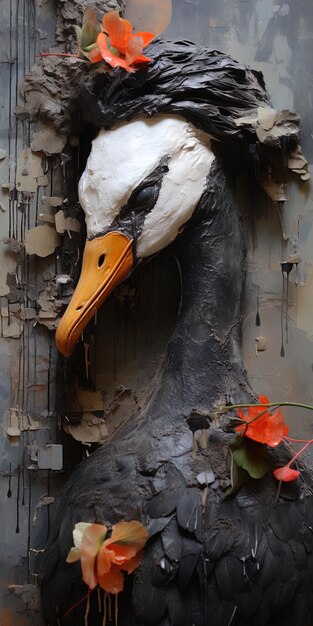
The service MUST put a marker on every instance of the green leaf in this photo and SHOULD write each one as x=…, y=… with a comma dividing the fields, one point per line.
x=252, y=457
x=78, y=31
x=91, y=47
x=238, y=476
x=91, y=29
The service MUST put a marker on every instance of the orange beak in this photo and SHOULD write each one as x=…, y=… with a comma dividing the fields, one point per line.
x=106, y=262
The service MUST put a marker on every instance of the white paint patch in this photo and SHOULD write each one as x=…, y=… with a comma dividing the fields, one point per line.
x=122, y=157
x=180, y=193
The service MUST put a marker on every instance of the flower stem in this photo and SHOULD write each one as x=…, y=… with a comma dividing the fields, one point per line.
x=268, y=405
x=256, y=417
x=297, y=440
x=246, y=423
x=74, y=606
x=294, y=458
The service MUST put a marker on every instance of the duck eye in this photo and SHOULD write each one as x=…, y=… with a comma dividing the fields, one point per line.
x=144, y=197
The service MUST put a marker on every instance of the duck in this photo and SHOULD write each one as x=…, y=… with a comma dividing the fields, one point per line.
x=157, y=177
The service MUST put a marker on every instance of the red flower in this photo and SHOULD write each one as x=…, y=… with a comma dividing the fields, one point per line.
x=269, y=428
x=286, y=474
x=104, y=560
x=119, y=46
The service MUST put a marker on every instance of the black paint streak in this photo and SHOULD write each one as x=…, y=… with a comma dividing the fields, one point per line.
x=9, y=494
x=257, y=317
x=17, y=529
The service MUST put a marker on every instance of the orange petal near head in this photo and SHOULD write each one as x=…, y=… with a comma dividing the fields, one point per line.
x=133, y=49
x=142, y=59
x=264, y=399
x=133, y=533
x=113, y=581
x=118, y=29
x=146, y=37
x=94, y=55
x=111, y=58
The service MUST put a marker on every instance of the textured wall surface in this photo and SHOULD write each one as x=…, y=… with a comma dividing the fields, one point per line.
x=276, y=38
x=121, y=351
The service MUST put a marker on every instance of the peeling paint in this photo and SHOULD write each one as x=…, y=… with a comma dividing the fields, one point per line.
x=42, y=240
x=90, y=430
x=7, y=265
x=63, y=224
x=29, y=172
x=47, y=140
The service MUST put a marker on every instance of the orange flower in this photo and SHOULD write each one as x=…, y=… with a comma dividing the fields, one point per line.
x=119, y=46
x=104, y=560
x=269, y=428
x=286, y=474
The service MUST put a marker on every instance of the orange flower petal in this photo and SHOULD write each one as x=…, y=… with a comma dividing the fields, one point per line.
x=241, y=414
x=113, y=581
x=94, y=55
x=103, y=561
x=129, y=533
x=146, y=38
x=118, y=29
x=112, y=59
x=142, y=59
x=264, y=399
x=133, y=49
x=286, y=474
x=91, y=543
x=132, y=564
x=119, y=554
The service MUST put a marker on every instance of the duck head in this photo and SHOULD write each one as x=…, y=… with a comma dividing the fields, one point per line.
x=142, y=183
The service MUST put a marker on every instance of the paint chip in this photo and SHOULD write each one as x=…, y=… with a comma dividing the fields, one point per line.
x=63, y=224
x=90, y=400
x=206, y=478
x=90, y=430
x=261, y=344
x=53, y=201
x=266, y=117
x=11, y=329
x=47, y=140
x=42, y=240
x=29, y=172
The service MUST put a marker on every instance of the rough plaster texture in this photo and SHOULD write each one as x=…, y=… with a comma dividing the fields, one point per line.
x=273, y=36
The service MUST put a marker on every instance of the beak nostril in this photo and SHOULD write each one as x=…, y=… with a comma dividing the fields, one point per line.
x=101, y=260
x=79, y=307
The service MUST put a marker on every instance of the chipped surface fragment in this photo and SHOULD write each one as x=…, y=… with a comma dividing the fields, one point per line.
x=261, y=344
x=29, y=173
x=63, y=224
x=47, y=140
x=90, y=430
x=42, y=240
x=11, y=328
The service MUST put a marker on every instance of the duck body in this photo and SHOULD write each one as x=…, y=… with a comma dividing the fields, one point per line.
x=212, y=559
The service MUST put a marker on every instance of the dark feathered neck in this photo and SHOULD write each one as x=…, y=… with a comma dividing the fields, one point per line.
x=203, y=362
